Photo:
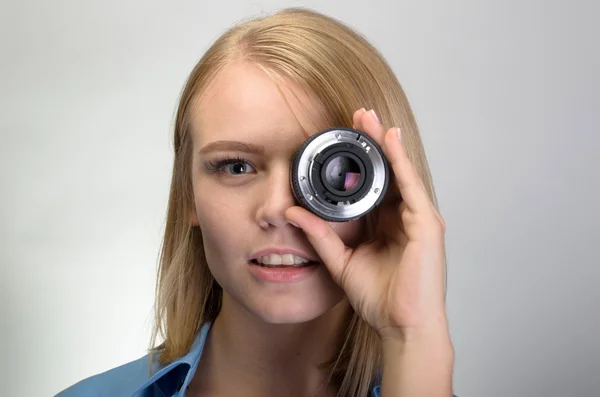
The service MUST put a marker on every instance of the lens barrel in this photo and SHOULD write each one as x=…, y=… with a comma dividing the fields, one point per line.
x=339, y=174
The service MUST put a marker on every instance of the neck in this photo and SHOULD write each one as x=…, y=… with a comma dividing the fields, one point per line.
x=244, y=355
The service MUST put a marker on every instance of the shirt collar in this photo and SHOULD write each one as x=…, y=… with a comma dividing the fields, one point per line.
x=178, y=374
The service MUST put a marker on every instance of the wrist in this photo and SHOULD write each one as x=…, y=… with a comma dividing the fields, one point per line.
x=435, y=329
x=431, y=343
x=419, y=364
x=434, y=339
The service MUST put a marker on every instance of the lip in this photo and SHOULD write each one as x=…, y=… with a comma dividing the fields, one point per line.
x=286, y=274
x=282, y=251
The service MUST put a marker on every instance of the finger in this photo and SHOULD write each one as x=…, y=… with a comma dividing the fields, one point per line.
x=368, y=122
x=356, y=123
x=440, y=218
x=408, y=181
x=328, y=245
x=372, y=127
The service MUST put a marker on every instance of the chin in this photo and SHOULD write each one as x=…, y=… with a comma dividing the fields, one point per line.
x=302, y=301
x=294, y=309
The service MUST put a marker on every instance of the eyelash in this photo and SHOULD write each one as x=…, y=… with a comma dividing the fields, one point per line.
x=219, y=163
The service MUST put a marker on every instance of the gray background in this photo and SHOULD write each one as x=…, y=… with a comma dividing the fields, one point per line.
x=507, y=97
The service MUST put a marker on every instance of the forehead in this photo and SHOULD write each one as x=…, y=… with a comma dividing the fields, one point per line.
x=244, y=104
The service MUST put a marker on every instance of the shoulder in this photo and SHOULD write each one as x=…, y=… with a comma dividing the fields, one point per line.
x=134, y=379
x=123, y=380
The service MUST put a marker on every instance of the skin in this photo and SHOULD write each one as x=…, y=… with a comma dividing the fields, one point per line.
x=271, y=337
x=289, y=328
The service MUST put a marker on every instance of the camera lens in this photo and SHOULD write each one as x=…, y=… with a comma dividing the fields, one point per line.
x=342, y=174
x=339, y=174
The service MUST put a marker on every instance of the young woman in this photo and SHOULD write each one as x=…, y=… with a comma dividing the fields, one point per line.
x=367, y=316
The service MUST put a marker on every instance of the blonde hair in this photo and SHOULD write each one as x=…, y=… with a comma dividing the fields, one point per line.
x=344, y=73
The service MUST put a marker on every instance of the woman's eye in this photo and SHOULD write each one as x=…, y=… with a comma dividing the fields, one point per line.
x=238, y=168
x=230, y=166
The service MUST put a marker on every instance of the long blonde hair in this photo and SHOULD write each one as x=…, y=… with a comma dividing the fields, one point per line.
x=343, y=72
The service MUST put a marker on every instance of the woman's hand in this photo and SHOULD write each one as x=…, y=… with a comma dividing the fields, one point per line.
x=396, y=281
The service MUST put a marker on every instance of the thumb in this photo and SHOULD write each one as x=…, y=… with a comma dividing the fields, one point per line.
x=329, y=246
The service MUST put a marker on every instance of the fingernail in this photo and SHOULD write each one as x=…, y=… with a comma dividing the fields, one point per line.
x=363, y=110
x=294, y=224
x=399, y=134
x=375, y=115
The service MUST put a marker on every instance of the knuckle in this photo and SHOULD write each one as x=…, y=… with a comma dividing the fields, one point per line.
x=442, y=223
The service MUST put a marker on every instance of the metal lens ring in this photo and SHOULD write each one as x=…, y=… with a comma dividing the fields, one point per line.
x=339, y=174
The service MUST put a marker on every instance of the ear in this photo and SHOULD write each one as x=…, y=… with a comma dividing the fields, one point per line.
x=194, y=219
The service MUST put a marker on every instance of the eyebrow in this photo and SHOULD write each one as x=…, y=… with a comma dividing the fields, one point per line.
x=232, y=146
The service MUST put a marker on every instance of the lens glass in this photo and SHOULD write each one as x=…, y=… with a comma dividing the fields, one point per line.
x=342, y=173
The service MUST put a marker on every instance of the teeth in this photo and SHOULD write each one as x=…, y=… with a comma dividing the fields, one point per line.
x=286, y=259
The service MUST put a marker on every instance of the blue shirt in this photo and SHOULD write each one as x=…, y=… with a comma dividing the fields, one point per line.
x=133, y=379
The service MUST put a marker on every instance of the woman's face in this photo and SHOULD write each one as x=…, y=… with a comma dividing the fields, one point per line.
x=240, y=205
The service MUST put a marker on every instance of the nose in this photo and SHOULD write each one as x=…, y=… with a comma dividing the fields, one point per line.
x=276, y=197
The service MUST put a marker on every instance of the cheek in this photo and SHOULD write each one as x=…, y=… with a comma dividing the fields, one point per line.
x=220, y=237
x=217, y=220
